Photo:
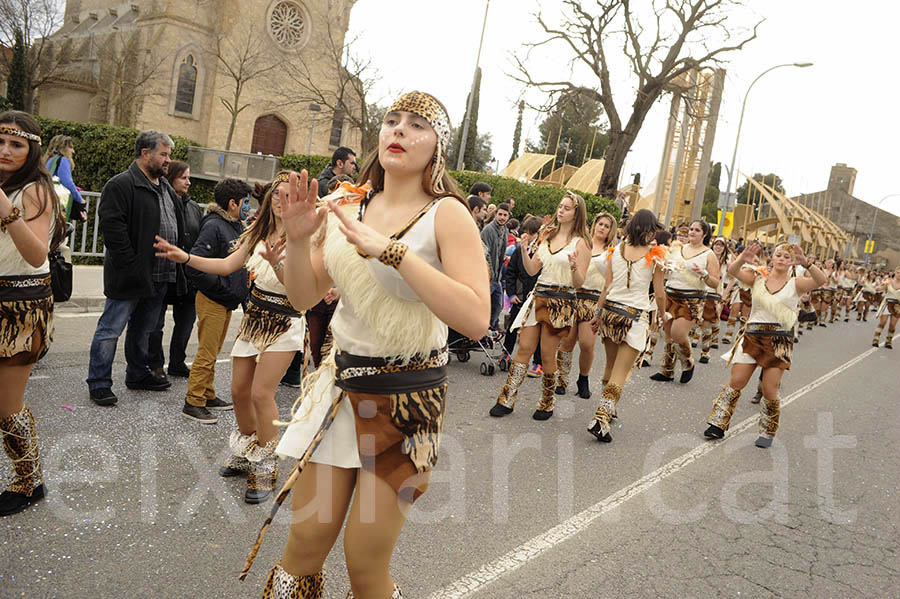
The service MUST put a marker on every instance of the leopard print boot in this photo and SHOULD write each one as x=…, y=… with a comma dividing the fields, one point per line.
x=605, y=412
x=281, y=585
x=237, y=463
x=20, y=441
x=723, y=409
x=506, y=401
x=545, y=407
x=667, y=370
x=263, y=472
x=563, y=368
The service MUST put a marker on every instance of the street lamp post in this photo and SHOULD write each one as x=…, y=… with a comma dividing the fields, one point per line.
x=737, y=138
x=314, y=108
x=874, y=215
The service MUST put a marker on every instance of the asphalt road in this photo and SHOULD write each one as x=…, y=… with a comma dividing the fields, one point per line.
x=517, y=508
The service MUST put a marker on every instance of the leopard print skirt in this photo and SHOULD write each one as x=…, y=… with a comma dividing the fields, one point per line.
x=689, y=308
x=557, y=314
x=26, y=319
x=399, y=436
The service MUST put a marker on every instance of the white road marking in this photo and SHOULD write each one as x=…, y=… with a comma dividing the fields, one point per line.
x=478, y=579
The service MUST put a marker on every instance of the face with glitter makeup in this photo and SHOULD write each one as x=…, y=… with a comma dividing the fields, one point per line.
x=406, y=143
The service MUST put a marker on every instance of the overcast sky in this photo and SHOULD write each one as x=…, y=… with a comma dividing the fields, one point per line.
x=799, y=122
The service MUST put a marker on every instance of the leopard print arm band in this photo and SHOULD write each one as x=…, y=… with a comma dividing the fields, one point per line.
x=393, y=254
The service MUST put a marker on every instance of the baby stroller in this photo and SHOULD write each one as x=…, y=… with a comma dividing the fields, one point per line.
x=491, y=345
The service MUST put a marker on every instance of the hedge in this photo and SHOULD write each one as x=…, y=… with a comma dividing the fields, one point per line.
x=530, y=199
x=102, y=151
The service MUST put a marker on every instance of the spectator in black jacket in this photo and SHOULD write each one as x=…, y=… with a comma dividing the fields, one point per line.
x=343, y=162
x=183, y=312
x=518, y=284
x=217, y=295
x=135, y=206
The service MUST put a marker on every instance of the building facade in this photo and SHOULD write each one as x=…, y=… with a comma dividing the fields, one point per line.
x=856, y=217
x=192, y=67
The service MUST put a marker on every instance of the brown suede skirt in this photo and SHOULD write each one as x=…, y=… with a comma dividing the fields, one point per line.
x=745, y=297
x=556, y=314
x=892, y=309
x=710, y=310
x=683, y=306
x=399, y=413
x=769, y=351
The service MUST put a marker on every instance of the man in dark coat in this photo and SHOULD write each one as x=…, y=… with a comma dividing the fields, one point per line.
x=135, y=206
x=343, y=162
x=217, y=296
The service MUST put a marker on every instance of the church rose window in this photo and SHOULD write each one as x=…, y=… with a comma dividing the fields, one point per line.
x=288, y=24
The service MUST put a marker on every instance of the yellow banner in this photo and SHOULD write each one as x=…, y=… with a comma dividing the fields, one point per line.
x=727, y=223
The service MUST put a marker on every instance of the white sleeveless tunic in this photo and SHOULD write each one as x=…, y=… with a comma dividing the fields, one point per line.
x=634, y=293
x=352, y=333
x=595, y=279
x=266, y=279
x=555, y=270
x=685, y=279
x=787, y=296
x=11, y=261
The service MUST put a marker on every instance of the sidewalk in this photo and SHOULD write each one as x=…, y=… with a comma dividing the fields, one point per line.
x=87, y=290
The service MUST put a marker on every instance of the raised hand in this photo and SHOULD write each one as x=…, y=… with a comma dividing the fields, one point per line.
x=751, y=252
x=799, y=257
x=365, y=238
x=298, y=207
x=573, y=258
x=274, y=251
x=166, y=250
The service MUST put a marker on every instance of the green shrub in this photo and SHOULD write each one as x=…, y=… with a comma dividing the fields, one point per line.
x=530, y=199
x=298, y=162
x=102, y=151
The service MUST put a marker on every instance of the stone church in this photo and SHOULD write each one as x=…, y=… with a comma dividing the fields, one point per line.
x=175, y=66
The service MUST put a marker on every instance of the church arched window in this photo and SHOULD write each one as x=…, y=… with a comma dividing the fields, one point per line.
x=186, y=86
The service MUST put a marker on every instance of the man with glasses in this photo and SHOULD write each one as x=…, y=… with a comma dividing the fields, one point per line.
x=343, y=162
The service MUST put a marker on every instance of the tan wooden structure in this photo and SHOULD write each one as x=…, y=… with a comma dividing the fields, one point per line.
x=782, y=217
x=526, y=166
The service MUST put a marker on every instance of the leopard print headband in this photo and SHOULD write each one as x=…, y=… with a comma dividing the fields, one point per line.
x=427, y=107
x=19, y=133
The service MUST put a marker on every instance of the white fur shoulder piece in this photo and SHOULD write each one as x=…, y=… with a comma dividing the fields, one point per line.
x=404, y=329
x=766, y=300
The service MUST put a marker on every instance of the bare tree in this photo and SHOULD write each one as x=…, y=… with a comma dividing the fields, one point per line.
x=242, y=56
x=128, y=74
x=657, y=48
x=37, y=19
x=345, y=90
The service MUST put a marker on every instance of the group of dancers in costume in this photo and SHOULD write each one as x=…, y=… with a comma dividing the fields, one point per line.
x=698, y=277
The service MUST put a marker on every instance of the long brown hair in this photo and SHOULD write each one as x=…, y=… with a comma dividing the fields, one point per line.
x=613, y=227
x=33, y=171
x=579, y=226
x=264, y=223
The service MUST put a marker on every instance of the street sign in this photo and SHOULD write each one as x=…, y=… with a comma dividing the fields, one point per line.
x=870, y=246
x=726, y=200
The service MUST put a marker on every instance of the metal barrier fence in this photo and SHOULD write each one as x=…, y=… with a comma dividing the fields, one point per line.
x=83, y=240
